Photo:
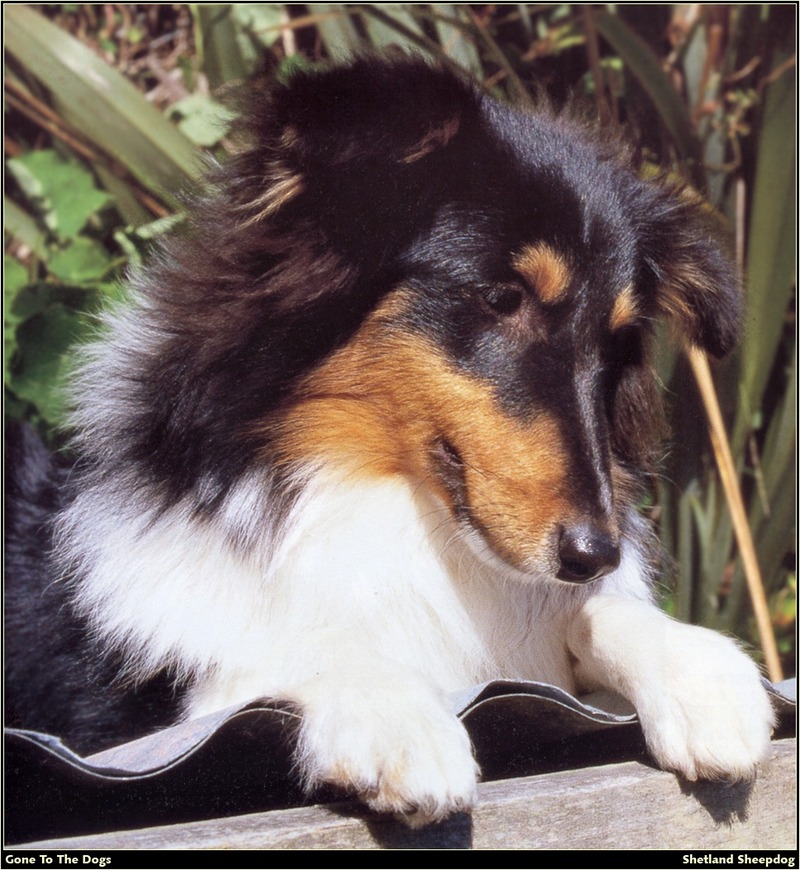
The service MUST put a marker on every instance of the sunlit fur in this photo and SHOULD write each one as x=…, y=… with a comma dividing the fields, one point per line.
x=375, y=428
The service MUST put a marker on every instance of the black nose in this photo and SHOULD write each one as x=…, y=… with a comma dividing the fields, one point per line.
x=586, y=552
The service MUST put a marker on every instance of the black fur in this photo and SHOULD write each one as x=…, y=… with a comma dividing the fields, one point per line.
x=55, y=681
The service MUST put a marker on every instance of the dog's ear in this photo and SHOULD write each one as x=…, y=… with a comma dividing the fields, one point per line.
x=371, y=113
x=697, y=283
x=356, y=151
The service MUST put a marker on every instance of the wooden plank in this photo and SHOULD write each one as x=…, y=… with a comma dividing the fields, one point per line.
x=620, y=806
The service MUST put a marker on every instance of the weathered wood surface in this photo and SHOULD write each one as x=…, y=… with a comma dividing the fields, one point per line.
x=620, y=806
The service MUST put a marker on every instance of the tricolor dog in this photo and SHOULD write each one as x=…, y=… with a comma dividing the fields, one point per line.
x=372, y=429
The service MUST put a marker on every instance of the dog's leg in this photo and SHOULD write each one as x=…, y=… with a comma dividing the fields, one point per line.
x=703, y=709
x=376, y=729
x=389, y=736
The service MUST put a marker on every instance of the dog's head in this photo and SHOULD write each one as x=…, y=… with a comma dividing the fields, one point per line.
x=467, y=293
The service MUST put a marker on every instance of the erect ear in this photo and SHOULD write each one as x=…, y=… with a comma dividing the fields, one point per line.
x=698, y=284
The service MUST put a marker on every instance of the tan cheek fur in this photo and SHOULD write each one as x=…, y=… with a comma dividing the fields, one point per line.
x=376, y=408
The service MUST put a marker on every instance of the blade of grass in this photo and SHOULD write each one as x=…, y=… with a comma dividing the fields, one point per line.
x=127, y=203
x=410, y=36
x=643, y=63
x=93, y=96
x=685, y=553
x=774, y=523
x=771, y=249
x=336, y=29
x=396, y=27
x=517, y=86
x=707, y=580
x=456, y=40
x=23, y=227
x=776, y=536
x=779, y=448
x=218, y=36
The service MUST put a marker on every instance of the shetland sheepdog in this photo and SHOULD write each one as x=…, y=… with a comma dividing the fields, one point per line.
x=372, y=429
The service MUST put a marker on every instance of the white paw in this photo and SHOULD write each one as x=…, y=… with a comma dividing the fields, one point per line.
x=401, y=751
x=707, y=715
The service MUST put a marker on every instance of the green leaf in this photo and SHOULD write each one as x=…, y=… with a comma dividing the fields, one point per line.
x=62, y=190
x=15, y=277
x=40, y=364
x=82, y=261
x=202, y=119
x=96, y=99
x=135, y=241
x=29, y=300
x=32, y=190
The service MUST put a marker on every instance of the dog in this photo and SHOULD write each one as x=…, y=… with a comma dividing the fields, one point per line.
x=372, y=429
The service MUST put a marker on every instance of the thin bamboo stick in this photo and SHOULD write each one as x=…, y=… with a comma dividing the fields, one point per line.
x=727, y=470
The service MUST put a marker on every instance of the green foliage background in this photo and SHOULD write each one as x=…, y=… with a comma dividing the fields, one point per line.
x=109, y=108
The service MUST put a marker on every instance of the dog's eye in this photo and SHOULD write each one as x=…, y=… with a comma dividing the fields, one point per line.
x=447, y=454
x=503, y=299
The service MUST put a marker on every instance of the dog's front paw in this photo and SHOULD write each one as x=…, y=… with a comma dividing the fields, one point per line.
x=402, y=752
x=709, y=716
